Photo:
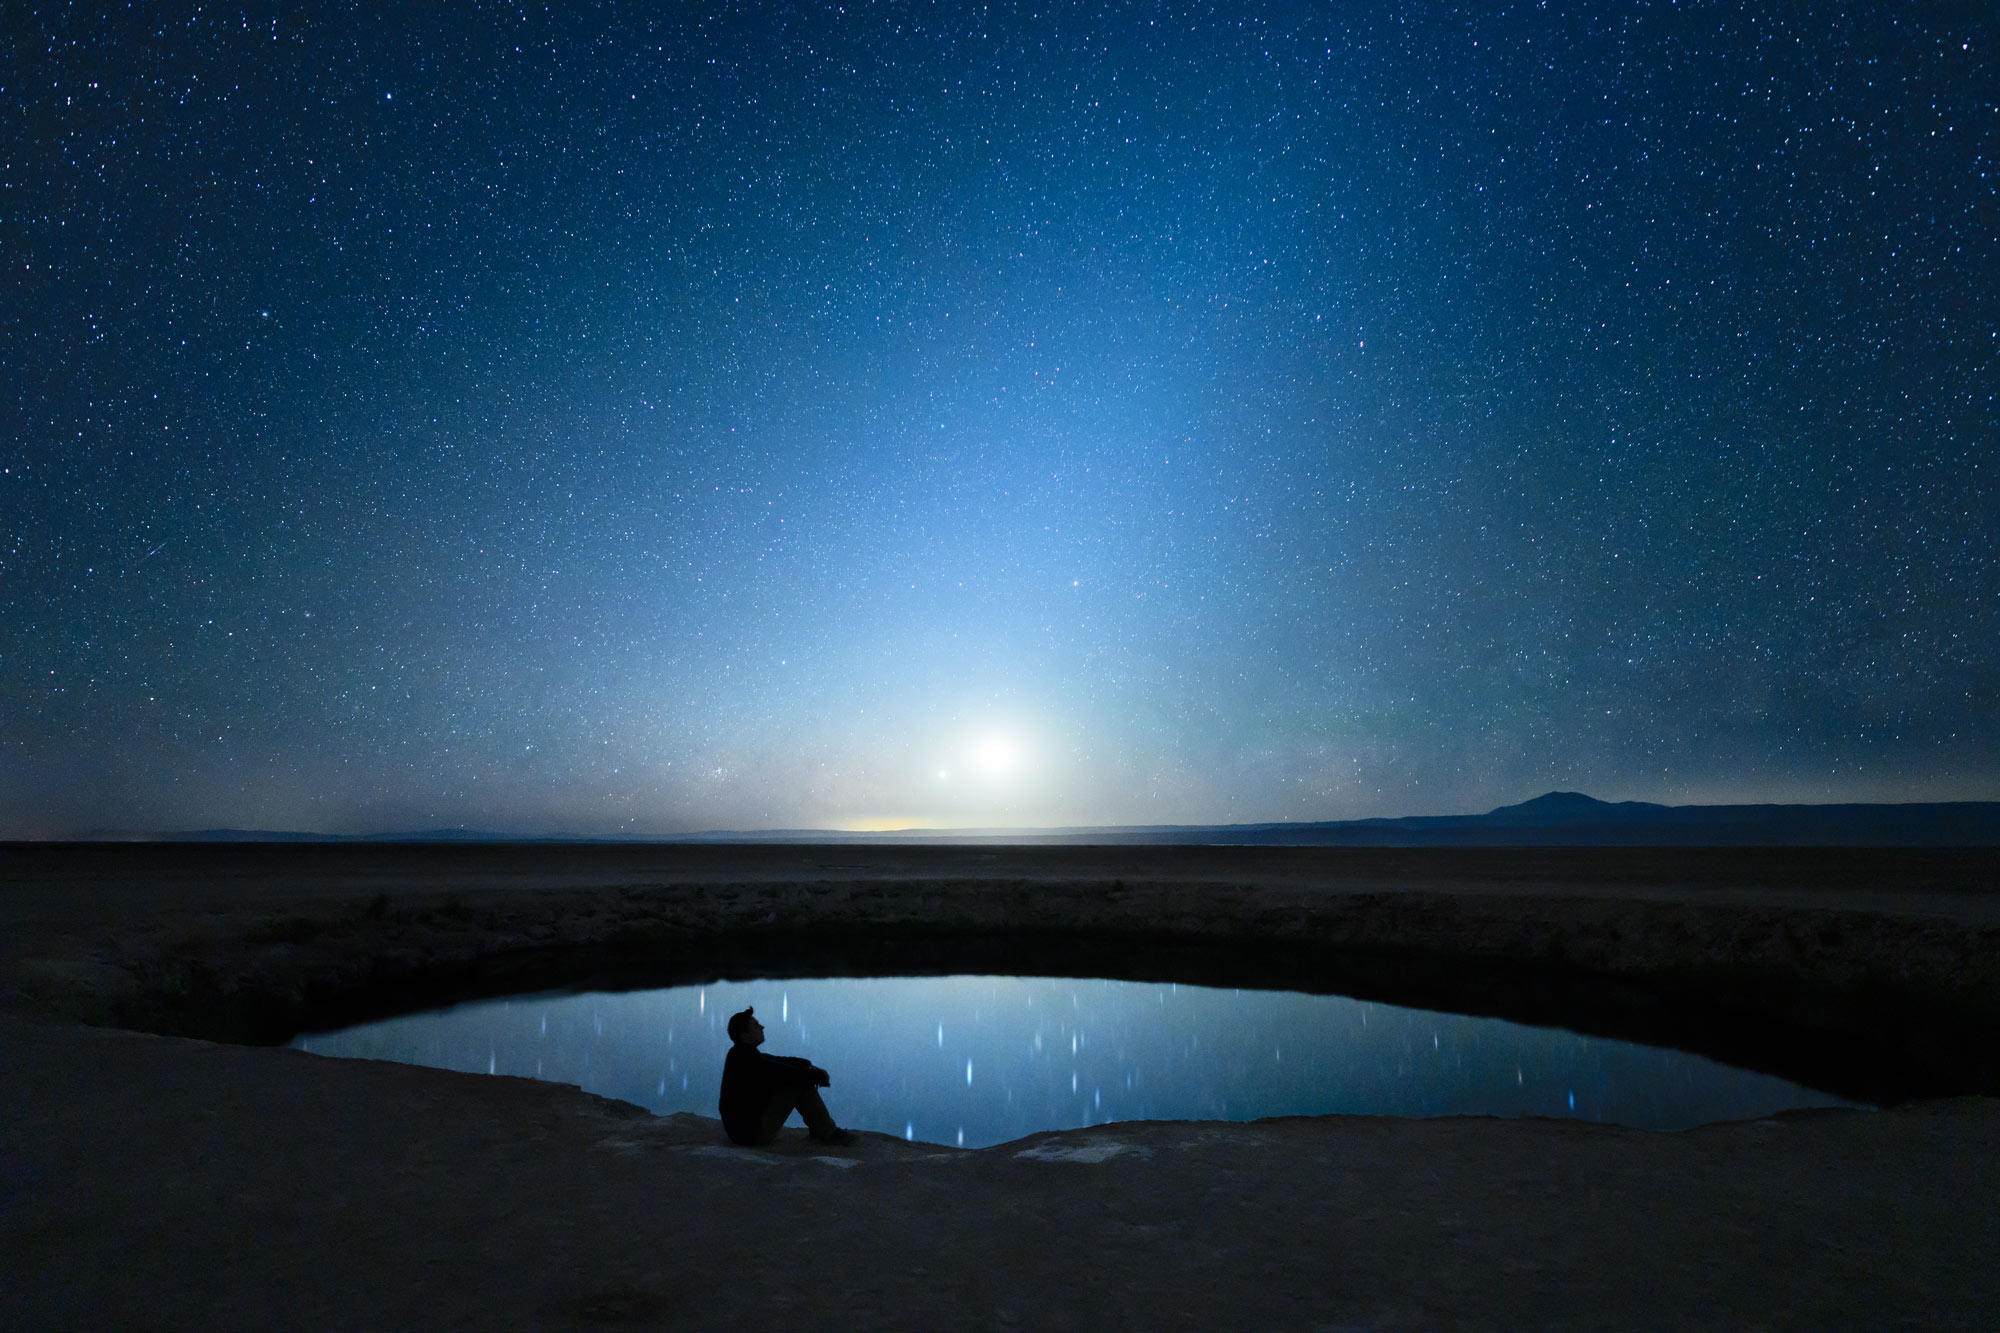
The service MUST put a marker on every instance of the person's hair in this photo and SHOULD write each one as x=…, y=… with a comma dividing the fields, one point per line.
x=738, y=1022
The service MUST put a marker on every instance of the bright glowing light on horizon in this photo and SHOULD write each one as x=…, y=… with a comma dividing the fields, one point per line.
x=889, y=823
x=996, y=754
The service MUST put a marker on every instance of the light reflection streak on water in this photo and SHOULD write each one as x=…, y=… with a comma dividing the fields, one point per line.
x=1054, y=1053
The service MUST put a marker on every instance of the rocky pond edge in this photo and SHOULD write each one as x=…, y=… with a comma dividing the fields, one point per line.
x=1877, y=999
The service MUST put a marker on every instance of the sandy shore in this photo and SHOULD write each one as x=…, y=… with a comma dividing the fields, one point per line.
x=159, y=1181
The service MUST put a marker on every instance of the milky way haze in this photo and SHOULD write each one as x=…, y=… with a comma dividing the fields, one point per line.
x=661, y=417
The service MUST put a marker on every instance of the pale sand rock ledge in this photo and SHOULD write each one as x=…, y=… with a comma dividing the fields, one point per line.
x=153, y=1181
x=157, y=1182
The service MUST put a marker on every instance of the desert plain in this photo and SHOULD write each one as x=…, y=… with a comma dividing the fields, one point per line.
x=165, y=1162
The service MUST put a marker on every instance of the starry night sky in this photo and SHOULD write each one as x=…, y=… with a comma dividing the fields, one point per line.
x=663, y=417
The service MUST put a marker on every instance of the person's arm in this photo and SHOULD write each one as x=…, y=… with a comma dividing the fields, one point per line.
x=793, y=1069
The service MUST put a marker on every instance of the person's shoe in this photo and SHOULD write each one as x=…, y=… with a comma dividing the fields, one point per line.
x=838, y=1138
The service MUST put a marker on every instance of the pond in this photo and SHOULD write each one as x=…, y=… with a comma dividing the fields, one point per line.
x=978, y=1060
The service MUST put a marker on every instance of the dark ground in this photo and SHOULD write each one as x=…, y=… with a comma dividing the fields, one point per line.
x=156, y=1181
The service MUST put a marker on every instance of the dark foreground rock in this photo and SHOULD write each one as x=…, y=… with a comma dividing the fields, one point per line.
x=163, y=1183
x=153, y=1181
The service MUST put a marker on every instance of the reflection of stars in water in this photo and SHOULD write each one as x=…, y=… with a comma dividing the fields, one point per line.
x=882, y=1074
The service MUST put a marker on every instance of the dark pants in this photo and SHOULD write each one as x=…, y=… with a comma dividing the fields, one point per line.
x=804, y=1100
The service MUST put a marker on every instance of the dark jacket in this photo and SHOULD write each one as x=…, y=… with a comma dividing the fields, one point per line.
x=749, y=1077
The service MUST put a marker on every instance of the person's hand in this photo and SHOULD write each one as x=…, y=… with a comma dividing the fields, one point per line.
x=821, y=1077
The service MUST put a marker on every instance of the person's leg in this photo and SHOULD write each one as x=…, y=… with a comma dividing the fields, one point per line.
x=806, y=1101
x=819, y=1121
x=776, y=1111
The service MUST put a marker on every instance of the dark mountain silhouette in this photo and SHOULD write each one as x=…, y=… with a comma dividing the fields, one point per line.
x=1554, y=819
x=1562, y=819
x=1572, y=807
x=1568, y=818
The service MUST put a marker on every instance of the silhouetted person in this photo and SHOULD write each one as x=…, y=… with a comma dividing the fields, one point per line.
x=759, y=1091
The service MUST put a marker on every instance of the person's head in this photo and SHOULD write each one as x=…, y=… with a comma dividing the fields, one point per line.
x=745, y=1030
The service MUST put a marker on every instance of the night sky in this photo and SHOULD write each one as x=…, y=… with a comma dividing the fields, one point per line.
x=662, y=417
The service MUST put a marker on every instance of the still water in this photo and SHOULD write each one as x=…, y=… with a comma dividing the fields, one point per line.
x=981, y=1060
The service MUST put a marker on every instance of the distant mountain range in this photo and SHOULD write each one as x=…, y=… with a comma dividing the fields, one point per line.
x=1572, y=819
x=1558, y=819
